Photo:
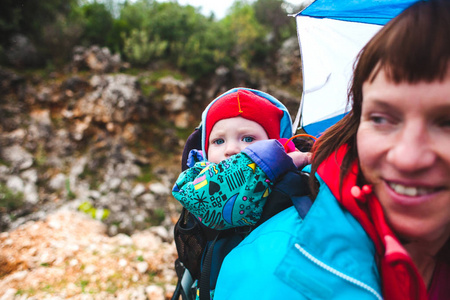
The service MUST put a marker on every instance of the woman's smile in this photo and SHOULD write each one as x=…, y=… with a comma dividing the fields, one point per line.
x=411, y=191
x=410, y=195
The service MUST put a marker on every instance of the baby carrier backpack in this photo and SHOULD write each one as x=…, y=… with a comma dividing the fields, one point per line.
x=201, y=250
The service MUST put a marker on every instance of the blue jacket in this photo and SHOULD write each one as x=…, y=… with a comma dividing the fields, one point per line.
x=326, y=255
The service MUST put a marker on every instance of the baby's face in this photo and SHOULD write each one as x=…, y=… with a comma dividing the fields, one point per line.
x=231, y=136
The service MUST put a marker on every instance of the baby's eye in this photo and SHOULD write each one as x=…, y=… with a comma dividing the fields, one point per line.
x=248, y=139
x=218, y=141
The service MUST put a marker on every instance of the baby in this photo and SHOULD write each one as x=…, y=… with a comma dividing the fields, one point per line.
x=228, y=182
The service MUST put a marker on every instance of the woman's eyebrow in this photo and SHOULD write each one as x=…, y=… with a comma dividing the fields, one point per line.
x=380, y=103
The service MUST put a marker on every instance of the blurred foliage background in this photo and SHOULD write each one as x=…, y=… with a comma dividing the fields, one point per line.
x=144, y=31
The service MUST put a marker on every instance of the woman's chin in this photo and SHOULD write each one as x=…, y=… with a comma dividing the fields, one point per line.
x=413, y=218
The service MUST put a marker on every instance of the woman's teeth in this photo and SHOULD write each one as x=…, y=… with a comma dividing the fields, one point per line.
x=410, y=190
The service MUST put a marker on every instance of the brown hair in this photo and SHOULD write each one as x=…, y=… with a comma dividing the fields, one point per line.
x=413, y=47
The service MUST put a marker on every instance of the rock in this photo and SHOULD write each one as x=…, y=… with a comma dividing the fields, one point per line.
x=22, y=53
x=4, y=173
x=154, y=292
x=44, y=94
x=30, y=176
x=182, y=119
x=30, y=193
x=18, y=157
x=61, y=145
x=159, y=189
x=221, y=76
x=142, y=267
x=16, y=136
x=291, y=101
x=123, y=240
x=114, y=99
x=161, y=232
x=10, y=294
x=15, y=184
x=58, y=182
x=74, y=84
x=288, y=64
x=175, y=102
x=80, y=126
x=96, y=59
x=170, y=85
x=147, y=201
x=138, y=190
x=9, y=80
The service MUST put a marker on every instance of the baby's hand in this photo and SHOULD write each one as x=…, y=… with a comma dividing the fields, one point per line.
x=300, y=159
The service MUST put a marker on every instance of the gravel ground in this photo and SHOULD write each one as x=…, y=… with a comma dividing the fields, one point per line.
x=70, y=256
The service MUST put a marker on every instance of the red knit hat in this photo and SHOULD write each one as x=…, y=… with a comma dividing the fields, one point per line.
x=244, y=103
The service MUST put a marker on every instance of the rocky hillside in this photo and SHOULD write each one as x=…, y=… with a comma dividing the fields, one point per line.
x=88, y=157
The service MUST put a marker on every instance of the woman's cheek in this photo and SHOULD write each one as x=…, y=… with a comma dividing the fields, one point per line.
x=370, y=149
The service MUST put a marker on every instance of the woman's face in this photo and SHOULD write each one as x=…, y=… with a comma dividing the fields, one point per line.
x=403, y=145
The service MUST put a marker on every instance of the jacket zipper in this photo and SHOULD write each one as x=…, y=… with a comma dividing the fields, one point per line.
x=337, y=273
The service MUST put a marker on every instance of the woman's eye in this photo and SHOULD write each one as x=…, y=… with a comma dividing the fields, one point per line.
x=218, y=141
x=378, y=119
x=445, y=123
x=248, y=139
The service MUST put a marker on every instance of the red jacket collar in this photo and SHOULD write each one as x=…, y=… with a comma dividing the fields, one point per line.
x=400, y=277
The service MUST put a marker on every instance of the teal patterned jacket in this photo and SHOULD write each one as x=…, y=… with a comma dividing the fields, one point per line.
x=233, y=192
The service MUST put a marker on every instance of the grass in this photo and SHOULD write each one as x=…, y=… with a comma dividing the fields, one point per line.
x=83, y=284
x=70, y=195
x=147, y=80
x=91, y=176
x=29, y=291
x=146, y=174
x=9, y=199
x=40, y=156
x=157, y=217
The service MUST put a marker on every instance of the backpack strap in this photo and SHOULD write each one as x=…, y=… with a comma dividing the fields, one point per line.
x=194, y=141
x=287, y=191
x=221, y=244
x=204, y=293
x=302, y=202
x=184, y=284
x=302, y=205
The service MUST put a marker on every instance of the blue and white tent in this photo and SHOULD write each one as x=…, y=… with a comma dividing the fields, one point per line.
x=331, y=33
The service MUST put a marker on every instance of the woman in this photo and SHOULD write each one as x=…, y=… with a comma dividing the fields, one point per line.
x=380, y=223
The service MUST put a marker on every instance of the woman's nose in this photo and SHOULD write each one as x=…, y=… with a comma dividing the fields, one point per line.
x=412, y=150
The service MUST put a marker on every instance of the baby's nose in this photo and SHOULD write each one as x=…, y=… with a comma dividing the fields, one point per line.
x=232, y=149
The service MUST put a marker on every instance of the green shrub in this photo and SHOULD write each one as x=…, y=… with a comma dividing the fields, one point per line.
x=98, y=24
x=10, y=200
x=140, y=50
x=247, y=34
